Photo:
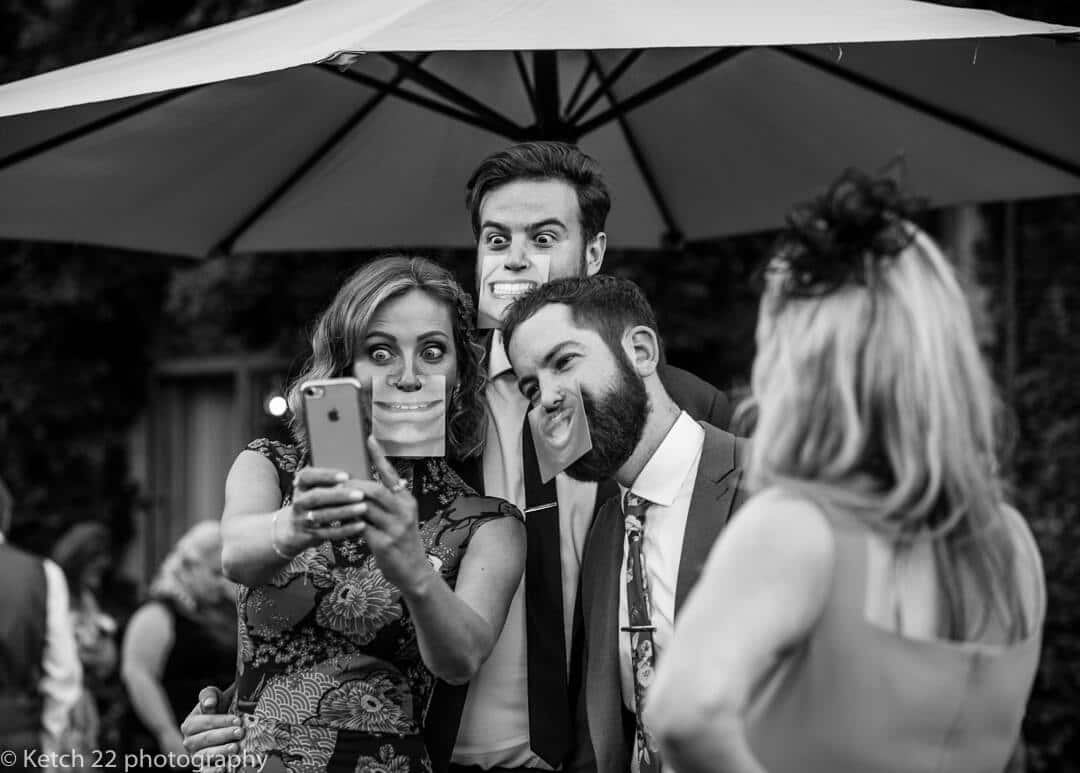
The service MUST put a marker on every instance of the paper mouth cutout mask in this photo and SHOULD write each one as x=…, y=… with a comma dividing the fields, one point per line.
x=410, y=424
x=499, y=287
x=561, y=437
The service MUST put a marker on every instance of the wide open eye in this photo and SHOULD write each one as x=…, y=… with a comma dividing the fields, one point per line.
x=433, y=353
x=380, y=354
x=496, y=240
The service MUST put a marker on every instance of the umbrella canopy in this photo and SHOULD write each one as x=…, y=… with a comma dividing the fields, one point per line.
x=332, y=124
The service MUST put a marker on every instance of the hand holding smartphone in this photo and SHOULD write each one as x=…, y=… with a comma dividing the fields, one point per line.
x=335, y=416
x=337, y=425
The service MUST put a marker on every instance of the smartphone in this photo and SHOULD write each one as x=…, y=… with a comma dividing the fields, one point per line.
x=337, y=425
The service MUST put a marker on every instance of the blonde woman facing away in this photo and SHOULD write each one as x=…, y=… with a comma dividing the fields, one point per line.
x=182, y=637
x=876, y=605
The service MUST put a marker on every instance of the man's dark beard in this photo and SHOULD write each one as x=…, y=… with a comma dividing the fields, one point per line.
x=616, y=424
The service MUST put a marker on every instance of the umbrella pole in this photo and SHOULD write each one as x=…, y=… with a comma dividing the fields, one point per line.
x=549, y=123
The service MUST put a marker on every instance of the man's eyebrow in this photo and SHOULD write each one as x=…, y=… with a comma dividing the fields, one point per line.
x=556, y=350
x=546, y=222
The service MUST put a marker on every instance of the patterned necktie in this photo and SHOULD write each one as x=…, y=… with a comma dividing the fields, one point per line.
x=640, y=627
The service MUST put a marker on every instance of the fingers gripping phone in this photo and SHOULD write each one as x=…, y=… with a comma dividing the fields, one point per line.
x=337, y=425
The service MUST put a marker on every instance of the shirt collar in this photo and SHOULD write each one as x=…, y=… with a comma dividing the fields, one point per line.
x=498, y=362
x=663, y=476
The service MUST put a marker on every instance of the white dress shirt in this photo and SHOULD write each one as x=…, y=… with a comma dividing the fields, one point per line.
x=667, y=481
x=61, y=671
x=495, y=722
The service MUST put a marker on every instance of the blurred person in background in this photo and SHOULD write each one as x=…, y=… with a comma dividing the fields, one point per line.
x=181, y=638
x=40, y=673
x=876, y=606
x=84, y=553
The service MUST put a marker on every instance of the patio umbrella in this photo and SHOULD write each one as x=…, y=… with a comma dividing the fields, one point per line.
x=333, y=124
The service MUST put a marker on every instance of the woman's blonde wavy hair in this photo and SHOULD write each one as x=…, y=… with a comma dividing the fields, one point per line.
x=875, y=397
x=341, y=327
x=191, y=577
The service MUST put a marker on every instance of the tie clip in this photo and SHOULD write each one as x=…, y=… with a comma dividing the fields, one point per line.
x=548, y=506
x=637, y=628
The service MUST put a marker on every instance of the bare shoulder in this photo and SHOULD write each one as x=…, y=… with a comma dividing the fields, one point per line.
x=1029, y=567
x=501, y=530
x=252, y=485
x=152, y=619
x=771, y=572
x=252, y=464
x=779, y=525
x=495, y=525
x=775, y=509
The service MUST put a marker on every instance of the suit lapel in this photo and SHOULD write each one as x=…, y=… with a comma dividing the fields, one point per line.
x=603, y=689
x=710, y=505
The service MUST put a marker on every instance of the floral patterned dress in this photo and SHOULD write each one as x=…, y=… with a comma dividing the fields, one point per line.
x=329, y=671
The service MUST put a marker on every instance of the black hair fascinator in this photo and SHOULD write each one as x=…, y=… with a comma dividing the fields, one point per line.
x=844, y=235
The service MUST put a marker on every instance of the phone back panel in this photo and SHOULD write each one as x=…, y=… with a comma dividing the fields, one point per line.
x=336, y=425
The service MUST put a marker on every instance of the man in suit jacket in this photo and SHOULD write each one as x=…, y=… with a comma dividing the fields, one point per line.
x=40, y=672
x=538, y=202
x=598, y=335
x=531, y=204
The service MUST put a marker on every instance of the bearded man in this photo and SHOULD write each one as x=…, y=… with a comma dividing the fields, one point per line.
x=678, y=484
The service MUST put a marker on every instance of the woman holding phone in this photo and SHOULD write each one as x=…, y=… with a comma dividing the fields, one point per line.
x=357, y=594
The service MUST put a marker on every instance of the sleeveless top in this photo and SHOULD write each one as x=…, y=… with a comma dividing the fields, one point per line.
x=203, y=652
x=200, y=655
x=330, y=676
x=855, y=697
x=22, y=644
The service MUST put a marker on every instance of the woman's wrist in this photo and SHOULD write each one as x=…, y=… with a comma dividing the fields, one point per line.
x=287, y=541
x=420, y=586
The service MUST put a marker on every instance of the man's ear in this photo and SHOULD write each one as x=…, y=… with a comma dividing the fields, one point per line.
x=594, y=253
x=643, y=347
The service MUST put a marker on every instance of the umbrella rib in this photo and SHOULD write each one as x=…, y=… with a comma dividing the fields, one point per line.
x=503, y=128
x=956, y=119
x=606, y=84
x=575, y=95
x=519, y=60
x=93, y=126
x=225, y=245
x=661, y=87
x=444, y=89
x=674, y=233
